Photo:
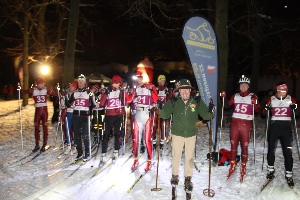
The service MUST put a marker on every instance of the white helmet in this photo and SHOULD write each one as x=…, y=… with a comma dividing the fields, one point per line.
x=244, y=79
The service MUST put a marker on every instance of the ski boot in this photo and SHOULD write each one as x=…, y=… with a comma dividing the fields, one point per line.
x=270, y=173
x=44, y=148
x=36, y=148
x=289, y=178
x=68, y=149
x=188, y=187
x=78, y=157
x=148, y=166
x=115, y=156
x=243, y=172
x=135, y=164
x=86, y=157
x=174, y=182
x=161, y=146
x=232, y=168
x=102, y=158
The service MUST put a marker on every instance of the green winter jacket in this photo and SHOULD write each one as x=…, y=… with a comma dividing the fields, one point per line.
x=184, y=124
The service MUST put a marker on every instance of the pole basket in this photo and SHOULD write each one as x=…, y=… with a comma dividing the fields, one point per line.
x=156, y=189
x=209, y=192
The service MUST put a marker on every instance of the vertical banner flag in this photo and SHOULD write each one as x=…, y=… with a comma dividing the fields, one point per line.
x=201, y=44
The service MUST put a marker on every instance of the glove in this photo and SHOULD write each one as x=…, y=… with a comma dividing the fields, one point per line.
x=293, y=106
x=211, y=107
x=223, y=94
x=124, y=84
x=268, y=107
x=254, y=100
x=159, y=104
x=150, y=86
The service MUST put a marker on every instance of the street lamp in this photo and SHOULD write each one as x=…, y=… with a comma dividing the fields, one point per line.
x=45, y=69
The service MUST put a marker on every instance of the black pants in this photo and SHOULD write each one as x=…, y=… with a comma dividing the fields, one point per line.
x=280, y=130
x=81, y=131
x=111, y=122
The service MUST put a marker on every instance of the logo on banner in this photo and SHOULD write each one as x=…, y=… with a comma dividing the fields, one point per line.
x=201, y=37
x=211, y=69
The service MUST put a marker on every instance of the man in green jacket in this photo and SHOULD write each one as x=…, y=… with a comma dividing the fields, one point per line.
x=185, y=110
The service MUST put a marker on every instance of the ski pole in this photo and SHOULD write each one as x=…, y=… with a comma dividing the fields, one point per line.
x=89, y=129
x=68, y=135
x=266, y=134
x=158, y=151
x=220, y=133
x=20, y=115
x=98, y=125
x=209, y=192
x=253, y=124
x=296, y=133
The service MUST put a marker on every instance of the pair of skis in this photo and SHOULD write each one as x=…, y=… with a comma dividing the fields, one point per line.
x=139, y=178
x=36, y=155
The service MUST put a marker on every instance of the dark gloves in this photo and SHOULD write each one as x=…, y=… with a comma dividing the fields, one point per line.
x=159, y=104
x=293, y=106
x=211, y=107
x=268, y=107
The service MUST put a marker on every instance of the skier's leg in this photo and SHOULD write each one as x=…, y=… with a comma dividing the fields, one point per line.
x=37, y=119
x=44, y=118
x=189, y=145
x=77, y=132
x=177, y=147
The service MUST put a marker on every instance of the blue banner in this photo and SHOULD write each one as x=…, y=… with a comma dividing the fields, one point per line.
x=201, y=44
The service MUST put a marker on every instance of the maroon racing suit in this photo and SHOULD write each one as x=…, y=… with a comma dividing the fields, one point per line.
x=41, y=112
x=241, y=123
x=111, y=100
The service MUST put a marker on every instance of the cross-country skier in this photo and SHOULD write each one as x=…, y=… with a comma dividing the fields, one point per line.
x=146, y=97
x=241, y=123
x=112, y=100
x=39, y=94
x=69, y=115
x=281, y=107
x=82, y=101
x=164, y=95
x=98, y=112
x=185, y=117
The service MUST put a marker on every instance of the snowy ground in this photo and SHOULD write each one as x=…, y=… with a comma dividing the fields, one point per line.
x=32, y=181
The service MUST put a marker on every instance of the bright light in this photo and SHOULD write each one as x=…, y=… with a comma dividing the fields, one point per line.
x=44, y=69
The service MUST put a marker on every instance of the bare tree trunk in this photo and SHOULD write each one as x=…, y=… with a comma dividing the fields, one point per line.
x=25, y=53
x=256, y=65
x=41, y=30
x=222, y=35
x=69, y=59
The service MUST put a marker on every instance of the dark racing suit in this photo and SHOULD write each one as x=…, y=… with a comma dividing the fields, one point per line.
x=83, y=102
x=111, y=99
x=280, y=129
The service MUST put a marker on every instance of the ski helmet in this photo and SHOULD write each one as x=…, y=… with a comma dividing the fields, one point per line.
x=81, y=77
x=244, y=79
